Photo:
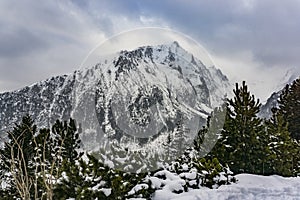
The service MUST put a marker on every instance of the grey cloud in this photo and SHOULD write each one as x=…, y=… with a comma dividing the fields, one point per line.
x=105, y=13
x=39, y=40
x=21, y=42
x=269, y=29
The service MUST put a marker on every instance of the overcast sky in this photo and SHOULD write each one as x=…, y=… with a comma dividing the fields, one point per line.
x=252, y=40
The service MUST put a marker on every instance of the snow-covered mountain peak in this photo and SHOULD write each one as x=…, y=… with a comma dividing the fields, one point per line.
x=158, y=52
x=152, y=98
x=289, y=76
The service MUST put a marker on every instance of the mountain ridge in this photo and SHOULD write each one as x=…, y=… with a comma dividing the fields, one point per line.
x=165, y=74
x=272, y=101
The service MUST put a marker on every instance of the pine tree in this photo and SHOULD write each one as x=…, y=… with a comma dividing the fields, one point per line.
x=66, y=147
x=22, y=134
x=283, y=148
x=208, y=136
x=289, y=106
x=243, y=141
x=198, y=141
x=32, y=163
x=17, y=159
x=66, y=139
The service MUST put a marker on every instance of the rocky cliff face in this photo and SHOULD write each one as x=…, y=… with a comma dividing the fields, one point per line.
x=45, y=101
x=140, y=95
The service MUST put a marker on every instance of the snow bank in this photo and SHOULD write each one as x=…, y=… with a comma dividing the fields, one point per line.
x=250, y=187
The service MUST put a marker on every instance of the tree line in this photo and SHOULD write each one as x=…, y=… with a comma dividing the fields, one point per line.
x=48, y=163
x=249, y=144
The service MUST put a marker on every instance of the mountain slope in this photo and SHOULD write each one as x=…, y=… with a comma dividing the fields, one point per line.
x=45, y=101
x=147, y=96
x=288, y=78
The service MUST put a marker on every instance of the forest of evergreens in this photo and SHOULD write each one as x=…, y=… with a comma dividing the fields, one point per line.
x=49, y=164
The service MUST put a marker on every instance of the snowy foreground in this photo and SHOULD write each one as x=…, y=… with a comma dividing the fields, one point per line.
x=248, y=187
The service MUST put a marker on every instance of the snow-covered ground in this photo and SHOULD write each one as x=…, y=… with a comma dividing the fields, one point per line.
x=248, y=187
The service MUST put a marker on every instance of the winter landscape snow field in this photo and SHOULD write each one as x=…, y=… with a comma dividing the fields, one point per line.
x=248, y=187
x=136, y=133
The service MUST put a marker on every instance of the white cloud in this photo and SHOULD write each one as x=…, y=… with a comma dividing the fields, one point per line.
x=262, y=81
x=135, y=38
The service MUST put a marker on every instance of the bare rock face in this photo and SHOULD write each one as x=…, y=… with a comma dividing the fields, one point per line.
x=122, y=98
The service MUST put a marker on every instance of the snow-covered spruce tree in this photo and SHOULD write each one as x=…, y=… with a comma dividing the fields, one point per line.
x=88, y=178
x=42, y=162
x=284, y=150
x=209, y=134
x=198, y=141
x=91, y=179
x=32, y=163
x=16, y=161
x=209, y=167
x=192, y=170
x=57, y=152
x=243, y=143
x=289, y=107
x=67, y=139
